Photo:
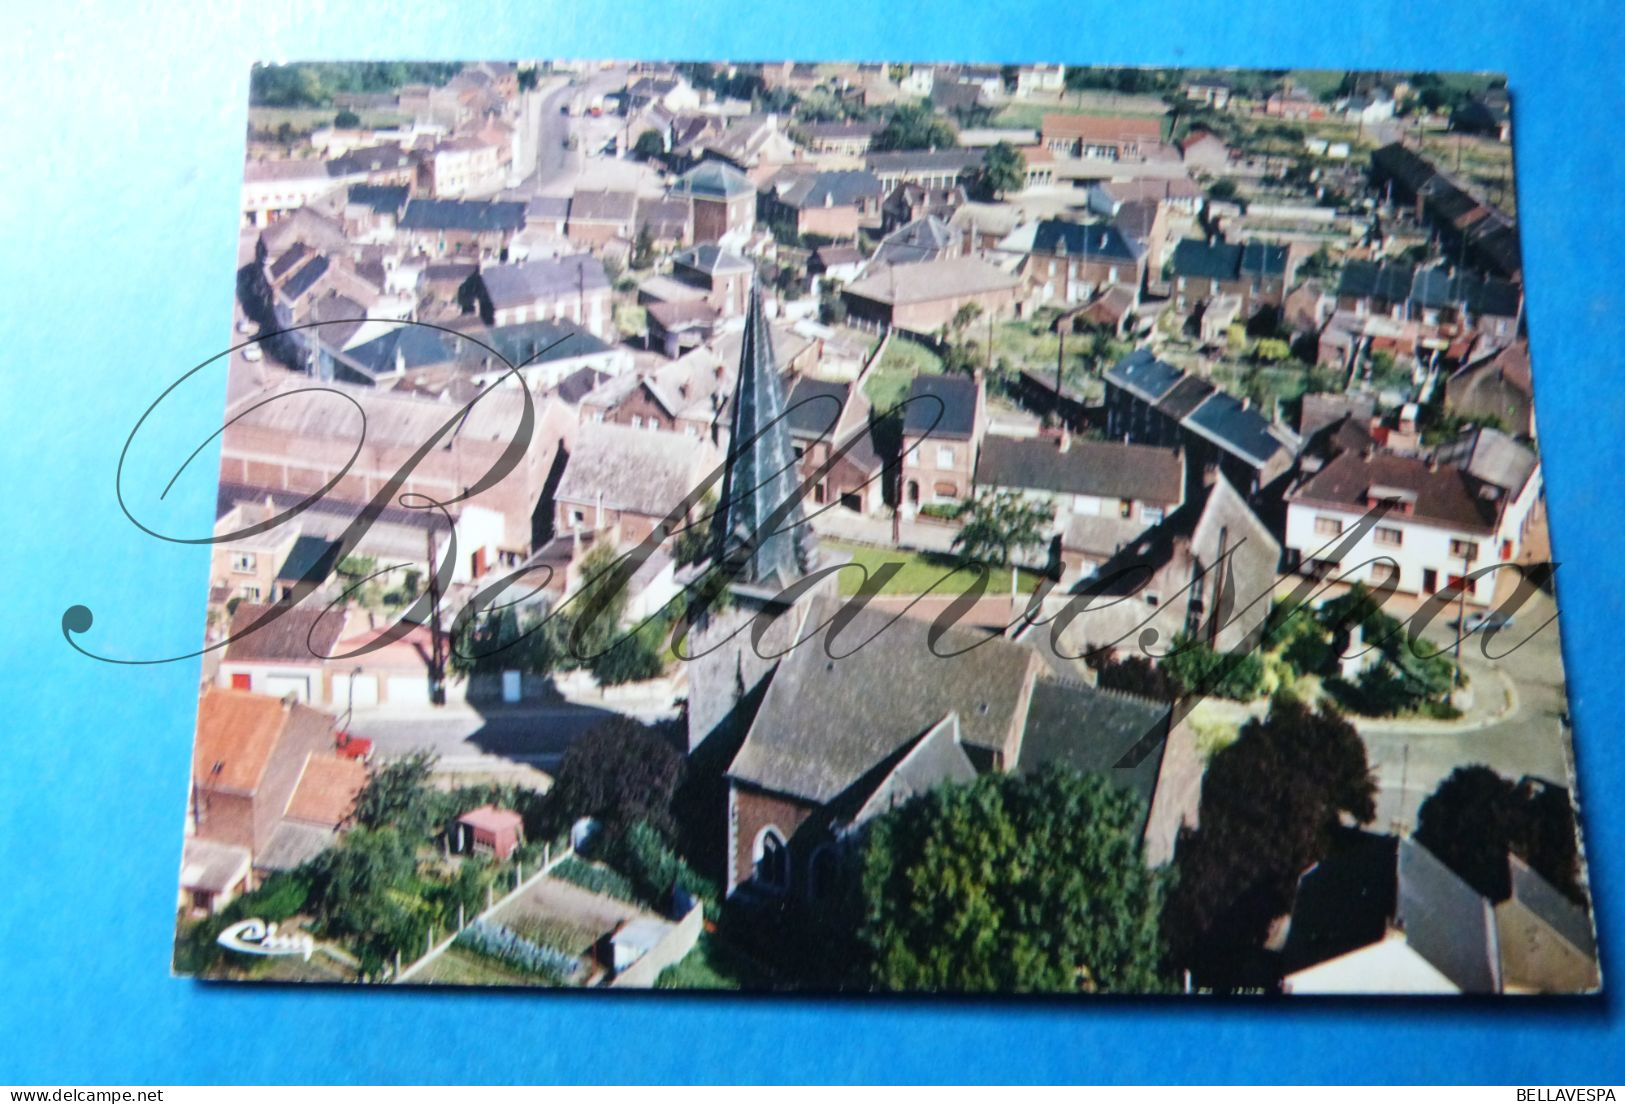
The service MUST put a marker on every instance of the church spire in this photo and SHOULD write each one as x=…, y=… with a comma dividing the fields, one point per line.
x=761, y=474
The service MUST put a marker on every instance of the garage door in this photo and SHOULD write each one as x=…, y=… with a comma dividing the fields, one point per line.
x=280, y=686
x=365, y=688
x=409, y=691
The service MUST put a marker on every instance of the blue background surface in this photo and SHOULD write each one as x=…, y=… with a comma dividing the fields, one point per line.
x=118, y=227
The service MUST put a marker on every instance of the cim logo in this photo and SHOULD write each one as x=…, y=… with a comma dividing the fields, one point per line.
x=256, y=937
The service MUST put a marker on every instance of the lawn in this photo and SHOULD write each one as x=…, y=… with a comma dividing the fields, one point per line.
x=306, y=119
x=1031, y=345
x=921, y=571
x=458, y=966
x=902, y=361
x=713, y=964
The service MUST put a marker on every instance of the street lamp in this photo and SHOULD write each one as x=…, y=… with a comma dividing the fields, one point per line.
x=349, y=709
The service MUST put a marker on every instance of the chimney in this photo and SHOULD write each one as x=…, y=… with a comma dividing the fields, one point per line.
x=1433, y=462
x=1368, y=452
x=1064, y=444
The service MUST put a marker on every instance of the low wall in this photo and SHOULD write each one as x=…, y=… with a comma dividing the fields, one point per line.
x=668, y=952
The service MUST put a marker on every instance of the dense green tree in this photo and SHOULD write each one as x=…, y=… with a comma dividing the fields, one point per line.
x=365, y=892
x=1271, y=803
x=398, y=795
x=915, y=126
x=1199, y=670
x=649, y=145
x=638, y=657
x=1476, y=817
x=346, y=119
x=1012, y=883
x=619, y=773
x=1003, y=169
x=996, y=524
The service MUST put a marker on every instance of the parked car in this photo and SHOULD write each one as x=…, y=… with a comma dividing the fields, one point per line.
x=252, y=354
x=352, y=747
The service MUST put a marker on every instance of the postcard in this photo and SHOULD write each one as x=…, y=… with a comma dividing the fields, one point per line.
x=925, y=528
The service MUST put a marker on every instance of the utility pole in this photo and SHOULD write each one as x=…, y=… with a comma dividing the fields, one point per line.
x=1461, y=608
x=437, y=639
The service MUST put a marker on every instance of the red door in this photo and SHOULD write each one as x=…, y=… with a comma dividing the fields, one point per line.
x=242, y=682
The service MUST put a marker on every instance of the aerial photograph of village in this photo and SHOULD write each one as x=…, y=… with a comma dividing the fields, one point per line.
x=882, y=527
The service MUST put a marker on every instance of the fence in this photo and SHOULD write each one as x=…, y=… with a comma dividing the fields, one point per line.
x=550, y=859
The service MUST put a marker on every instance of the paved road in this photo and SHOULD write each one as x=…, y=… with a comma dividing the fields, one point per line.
x=1531, y=739
x=467, y=739
x=555, y=162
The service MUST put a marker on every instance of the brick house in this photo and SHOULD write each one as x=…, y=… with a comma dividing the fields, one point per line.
x=828, y=204
x=923, y=298
x=1112, y=138
x=943, y=424
x=573, y=289
x=723, y=201
x=599, y=217
x=1256, y=273
x=619, y=476
x=265, y=777
x=1070, y=262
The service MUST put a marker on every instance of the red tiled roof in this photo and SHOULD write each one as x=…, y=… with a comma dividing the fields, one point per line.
x=327, y=790
x=237, y=732
x=489, y=818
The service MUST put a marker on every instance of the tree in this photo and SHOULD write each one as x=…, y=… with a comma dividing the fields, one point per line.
x=595, y=610
x=618, y=773
x=1271, y=803
x=639, y=657
x=1200, y=670
x=398, y=795
x=649, y=145
x=1012, y=883
x=1004, y=169
x=1476, y=817
x=643, y=248
x=363, y=891
x=346, y=120
x=997, y=523
x=915, y=126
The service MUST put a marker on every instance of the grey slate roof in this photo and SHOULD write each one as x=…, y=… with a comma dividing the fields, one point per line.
x=924, y=239
x=513, y=285
x=814, y=406
x=937, y=757
x=1097, y=241
x=942, y=406
x=1228, y=260
x=305, y=279
x=1492, y=456
x=1446, y=921
x=308, y=553
x=382, y=198
x=843, y=188
x=475, y=215
x=711, y=258
x=958, y=160
x=1235, y=428
x=1142, y=375
x=1109, y=469
x=759, y=545
x=1089, y=730
x=825, y=723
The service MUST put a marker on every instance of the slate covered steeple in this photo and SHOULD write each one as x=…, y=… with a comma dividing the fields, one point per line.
x=761, y=474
